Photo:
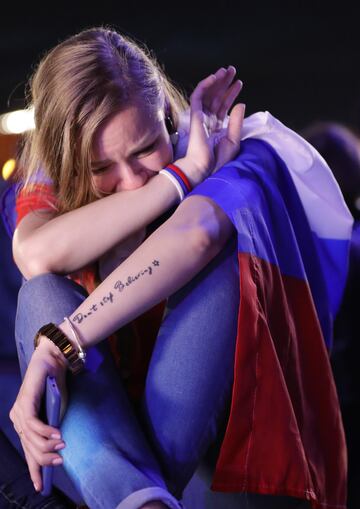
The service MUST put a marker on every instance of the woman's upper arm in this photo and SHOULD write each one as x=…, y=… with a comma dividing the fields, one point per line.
x=21, y=242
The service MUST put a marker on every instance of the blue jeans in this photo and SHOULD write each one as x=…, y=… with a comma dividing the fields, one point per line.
x=118, y=457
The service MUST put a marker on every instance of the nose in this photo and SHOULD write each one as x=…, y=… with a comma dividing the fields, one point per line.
x=130, y=178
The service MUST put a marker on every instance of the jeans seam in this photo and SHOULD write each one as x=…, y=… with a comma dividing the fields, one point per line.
x=12, y=500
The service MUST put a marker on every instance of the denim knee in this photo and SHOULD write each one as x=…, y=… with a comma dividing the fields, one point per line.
x=41, y=284
x=42, y=299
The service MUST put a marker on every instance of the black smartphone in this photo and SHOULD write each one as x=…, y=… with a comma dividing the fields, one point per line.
x=52, y=409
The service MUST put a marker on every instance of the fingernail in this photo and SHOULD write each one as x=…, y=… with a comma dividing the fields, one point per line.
x=59, y=446
x=57, y=461
x=36, y=487
x=56, y=436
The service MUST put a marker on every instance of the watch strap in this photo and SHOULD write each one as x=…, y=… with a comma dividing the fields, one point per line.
x=56, y=335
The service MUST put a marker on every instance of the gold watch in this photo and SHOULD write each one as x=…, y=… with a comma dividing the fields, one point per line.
x=56, y=335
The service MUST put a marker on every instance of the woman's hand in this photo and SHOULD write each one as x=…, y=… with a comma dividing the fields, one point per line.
x=38, y=439
x=209, y=146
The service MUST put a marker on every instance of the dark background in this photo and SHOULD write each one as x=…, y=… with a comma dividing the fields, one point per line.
x=299, y=61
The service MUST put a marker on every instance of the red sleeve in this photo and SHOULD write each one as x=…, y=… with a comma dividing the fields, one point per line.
x=42, y=196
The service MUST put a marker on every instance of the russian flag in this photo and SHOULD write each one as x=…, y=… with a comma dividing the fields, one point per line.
x=284, y=435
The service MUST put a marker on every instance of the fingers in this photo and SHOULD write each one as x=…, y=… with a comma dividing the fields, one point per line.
x=214, y=96
x=198, y=130
x=24, y=423
x=229, y=145
x=45, y=443
x=224, y=93
x=196, y=98
x=34, y=469
x=235, y=124
x=200, y=89
x=229, y=99
x=40, y=451
x=216, y=92
x=40, y=440
x=43, y=429
x=41, y=456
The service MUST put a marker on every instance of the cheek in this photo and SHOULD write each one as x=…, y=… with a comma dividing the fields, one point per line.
x=103, y=183
x=159, y=159
x=153, y=163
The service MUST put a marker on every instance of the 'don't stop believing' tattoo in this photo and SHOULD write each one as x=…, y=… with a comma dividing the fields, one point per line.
x=119, y=286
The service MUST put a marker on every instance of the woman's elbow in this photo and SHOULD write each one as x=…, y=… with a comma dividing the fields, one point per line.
x=209, y=227
x=199, y=243
x=31, y=268
x=28, y=265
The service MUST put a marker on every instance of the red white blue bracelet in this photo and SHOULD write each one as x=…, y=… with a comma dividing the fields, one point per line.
x=178, y=178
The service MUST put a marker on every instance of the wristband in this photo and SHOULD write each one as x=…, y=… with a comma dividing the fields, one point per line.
x=178, y=178
x=81, y=352
x=175, y=182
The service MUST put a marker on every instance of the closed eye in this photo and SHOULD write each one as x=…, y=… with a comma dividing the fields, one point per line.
x=146, y=149
x=99, y=171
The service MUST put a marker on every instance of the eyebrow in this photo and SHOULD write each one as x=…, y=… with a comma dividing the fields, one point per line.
x=142, y=144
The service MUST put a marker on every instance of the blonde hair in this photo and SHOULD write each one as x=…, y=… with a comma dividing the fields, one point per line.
x=75, y=88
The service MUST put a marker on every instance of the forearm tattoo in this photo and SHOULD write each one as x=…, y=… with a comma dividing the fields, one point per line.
x=119, y=287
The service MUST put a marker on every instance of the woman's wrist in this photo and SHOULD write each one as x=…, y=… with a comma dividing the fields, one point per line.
x=47, y=348
x=72, y=334
x=194, y=175
x=178, y=178
x=69, y=348
x=165, y=186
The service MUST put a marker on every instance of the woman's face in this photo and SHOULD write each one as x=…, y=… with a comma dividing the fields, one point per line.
x=131, y=147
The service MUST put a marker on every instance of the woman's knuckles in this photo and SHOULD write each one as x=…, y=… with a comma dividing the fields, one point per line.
x=46, y=459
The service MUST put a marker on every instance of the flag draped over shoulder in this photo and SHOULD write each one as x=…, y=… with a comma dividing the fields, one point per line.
x=284, y=435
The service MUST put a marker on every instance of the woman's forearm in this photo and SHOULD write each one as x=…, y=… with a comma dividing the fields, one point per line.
x=83, y=235
x=165, y=262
